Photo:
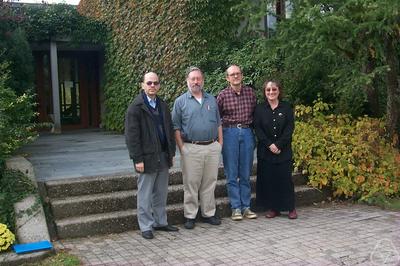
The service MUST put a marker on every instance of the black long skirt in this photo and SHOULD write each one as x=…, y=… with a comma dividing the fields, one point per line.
x=275, y=188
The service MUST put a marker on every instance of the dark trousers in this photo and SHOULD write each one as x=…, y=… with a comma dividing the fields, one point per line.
x=275, y=188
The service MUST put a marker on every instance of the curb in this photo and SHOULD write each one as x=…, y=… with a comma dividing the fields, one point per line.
x=30, y=219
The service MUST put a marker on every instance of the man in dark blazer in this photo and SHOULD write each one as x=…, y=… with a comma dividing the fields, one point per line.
x=150, y=140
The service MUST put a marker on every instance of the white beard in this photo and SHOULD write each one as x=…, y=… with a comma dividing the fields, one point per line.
x=195, y=88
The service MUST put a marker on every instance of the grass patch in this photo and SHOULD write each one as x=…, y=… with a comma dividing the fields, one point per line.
x=60, y=259
x=391, y=204
x=386, y=202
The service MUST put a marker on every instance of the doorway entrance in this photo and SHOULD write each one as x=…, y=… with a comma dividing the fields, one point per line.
x=78, y=75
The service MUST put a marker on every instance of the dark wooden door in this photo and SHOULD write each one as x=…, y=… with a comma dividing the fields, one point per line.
x=79, y=89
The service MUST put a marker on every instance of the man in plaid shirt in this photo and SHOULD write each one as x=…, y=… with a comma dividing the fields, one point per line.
x=236, y=105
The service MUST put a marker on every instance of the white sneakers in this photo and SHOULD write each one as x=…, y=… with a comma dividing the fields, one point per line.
x=236, y=215
x=247, y=213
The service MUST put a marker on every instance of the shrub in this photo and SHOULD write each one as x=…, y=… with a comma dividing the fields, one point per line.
x=350, y=156
x=19, y=55
x=257, y=59
x=16, y=113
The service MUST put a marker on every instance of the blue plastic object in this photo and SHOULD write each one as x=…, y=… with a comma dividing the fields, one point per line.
x=30, y=247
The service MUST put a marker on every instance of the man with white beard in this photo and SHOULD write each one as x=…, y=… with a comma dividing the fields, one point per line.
x=198, y=134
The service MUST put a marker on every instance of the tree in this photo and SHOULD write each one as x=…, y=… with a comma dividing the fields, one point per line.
x=346, y=50
x=15, y=49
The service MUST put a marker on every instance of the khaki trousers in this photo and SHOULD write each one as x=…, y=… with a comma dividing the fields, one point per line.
x=200, y=171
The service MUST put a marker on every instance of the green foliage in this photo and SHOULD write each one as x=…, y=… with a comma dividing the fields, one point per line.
x=345, y=51
x=60, y=259
x=162, y=36
x=40, y=23
x=45, y=22
x=15, y=50
x=257, y=60
x=331, y=45
x=348, y=155
x=14, y=186
x=16, y=114
x=216, y=26
x=16, y=108
x=385, y=202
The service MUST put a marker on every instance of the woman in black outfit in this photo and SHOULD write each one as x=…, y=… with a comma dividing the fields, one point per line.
x=274, y=125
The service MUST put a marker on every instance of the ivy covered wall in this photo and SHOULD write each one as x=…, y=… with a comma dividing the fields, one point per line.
x=164, y=36
x=44, y=22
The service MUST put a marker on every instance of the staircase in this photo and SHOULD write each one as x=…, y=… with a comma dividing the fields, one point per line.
x=102, y=205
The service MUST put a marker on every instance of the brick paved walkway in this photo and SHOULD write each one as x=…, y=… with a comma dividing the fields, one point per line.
x=331, y=235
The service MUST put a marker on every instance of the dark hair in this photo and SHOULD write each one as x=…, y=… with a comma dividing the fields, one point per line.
x=277, y=83
x=191, y=69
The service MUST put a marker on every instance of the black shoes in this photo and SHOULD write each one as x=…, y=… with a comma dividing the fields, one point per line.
x=148, y=234
x=166, y=228
x=211, y=220
x=190, y=223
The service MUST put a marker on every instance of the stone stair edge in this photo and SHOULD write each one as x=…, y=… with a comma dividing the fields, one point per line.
x=128, y=212
x=86, y=197
x=91, y=197
x=120, y=221
x=85, y=179
x=55, y=188
x=169, y=207
x=96, y=184
x=96, y=178
x=103, y=202
x=109, y=215
x=115, y=201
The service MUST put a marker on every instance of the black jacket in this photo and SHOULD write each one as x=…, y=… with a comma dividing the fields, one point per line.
x=274, y=126
x=141, y=134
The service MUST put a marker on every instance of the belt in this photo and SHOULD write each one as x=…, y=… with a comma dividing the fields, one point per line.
x=237, y=125
x=205, y=142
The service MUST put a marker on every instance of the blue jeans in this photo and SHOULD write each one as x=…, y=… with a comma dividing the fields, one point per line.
x=237, y=152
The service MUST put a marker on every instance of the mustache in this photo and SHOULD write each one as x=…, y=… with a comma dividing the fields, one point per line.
x=196, y=87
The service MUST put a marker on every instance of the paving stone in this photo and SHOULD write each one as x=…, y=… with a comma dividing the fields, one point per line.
x=320, y=236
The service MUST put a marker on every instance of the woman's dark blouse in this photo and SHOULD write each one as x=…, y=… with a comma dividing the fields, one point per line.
x=274, y=126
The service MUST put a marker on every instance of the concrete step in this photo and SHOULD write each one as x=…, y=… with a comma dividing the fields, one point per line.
x=95, y=224
x=124, y=199
x=119, y=221
x=89, y=185
x=93, y=203
x=102, y=184
x=119, y=200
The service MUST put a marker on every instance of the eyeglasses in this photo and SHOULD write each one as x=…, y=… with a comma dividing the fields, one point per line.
x=234, y=74
x=273, y=89
x=155, y=83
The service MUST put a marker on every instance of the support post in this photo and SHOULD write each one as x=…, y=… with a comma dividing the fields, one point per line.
x=55, y=87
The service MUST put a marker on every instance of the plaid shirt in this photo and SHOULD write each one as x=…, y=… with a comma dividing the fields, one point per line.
x=236, y=108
